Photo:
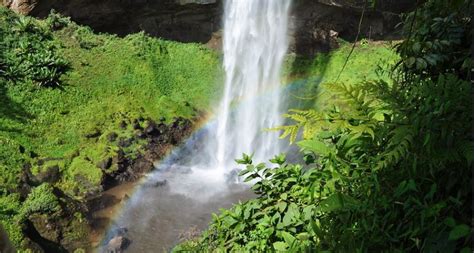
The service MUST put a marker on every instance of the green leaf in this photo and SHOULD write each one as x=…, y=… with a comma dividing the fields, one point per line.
x=450, y=222
x=315, y=146
x=289, y=238
x=280, y=246
x=303, y=236
x=281, y=206
x=458, y=232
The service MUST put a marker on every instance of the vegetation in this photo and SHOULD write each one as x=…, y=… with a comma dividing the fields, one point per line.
x=60, y=83
x=386, y=168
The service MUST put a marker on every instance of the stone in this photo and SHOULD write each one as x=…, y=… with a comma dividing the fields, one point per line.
x=118, y=244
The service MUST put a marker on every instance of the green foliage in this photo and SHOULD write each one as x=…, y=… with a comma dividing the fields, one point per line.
x=40, y=200
x=9, y=208
x=109, y=80
x=386, y=167
x=29, y=51
x=438, y=36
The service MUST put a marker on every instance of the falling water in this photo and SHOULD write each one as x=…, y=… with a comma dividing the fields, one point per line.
x=255, y=43
x=200, y=175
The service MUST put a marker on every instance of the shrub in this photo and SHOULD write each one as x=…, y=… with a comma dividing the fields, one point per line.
x=29, y=51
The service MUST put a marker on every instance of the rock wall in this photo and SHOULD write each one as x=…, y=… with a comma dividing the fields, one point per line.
x=315, y=22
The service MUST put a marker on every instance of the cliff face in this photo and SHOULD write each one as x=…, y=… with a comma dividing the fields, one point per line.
x=315, y=22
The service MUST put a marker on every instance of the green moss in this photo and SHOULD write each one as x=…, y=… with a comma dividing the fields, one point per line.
x=9, y=208
x=84, y=174
x=40, y=200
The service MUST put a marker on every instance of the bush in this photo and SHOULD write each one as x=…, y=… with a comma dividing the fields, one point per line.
x=29, y=51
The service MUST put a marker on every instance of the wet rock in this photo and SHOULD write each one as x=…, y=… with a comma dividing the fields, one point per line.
x=156, y=184
x=118, y=244
x=112, y=136
x=94, y=134
x=125, y=198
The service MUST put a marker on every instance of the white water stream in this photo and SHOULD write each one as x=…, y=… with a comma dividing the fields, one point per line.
x=255, y=43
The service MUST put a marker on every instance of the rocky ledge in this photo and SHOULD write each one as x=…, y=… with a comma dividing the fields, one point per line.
x=316, y=23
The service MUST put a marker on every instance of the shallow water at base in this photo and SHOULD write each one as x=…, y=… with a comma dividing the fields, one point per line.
x=165, y=217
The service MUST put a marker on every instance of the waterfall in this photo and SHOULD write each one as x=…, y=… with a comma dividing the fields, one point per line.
x=196, y=176
x=255, y=43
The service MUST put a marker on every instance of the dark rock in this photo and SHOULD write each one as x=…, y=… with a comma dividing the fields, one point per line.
x=156, y=184
x=118, y=244
x=50, y=175
x=96, y=133
x=200, y=20
x=112, y=136
x=105, y=164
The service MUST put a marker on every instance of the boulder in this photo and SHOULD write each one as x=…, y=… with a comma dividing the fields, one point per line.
x=117, y=244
